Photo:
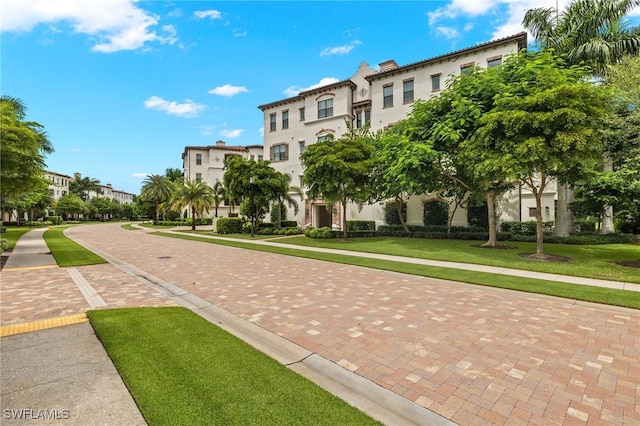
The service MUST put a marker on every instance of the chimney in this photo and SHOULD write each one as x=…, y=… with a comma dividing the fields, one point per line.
x=388, y=65
x=220, y=143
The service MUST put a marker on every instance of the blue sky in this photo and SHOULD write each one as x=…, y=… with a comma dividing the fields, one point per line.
x=123, y=86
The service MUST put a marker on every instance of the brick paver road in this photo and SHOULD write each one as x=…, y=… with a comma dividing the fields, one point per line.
x=472, y=354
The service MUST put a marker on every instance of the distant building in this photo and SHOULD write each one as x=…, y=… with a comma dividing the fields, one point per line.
x=58, y=184
x=206, y=163
x=107, y=191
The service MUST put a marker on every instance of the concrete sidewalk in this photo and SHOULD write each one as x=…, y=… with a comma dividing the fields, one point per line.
x=31, y=251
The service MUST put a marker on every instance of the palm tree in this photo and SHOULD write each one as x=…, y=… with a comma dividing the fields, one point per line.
x=196, y=195
x=284, y=195
x=219, y=194
x=157, y=188
x=174, y=175
x=81, y=186
x=591, y=32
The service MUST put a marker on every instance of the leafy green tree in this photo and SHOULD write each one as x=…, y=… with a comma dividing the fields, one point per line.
x=253, y=182
x=157, y=188
x=341, y=170
x=102, y=206
x=22, y=151
x=81, y=186
x=543, y=127
x=70, y=205
x=195, y=195
x=591, y=32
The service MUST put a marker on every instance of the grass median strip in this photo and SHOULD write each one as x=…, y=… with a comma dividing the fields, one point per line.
x=67, y=252
x=183, y=370
x=614, y=297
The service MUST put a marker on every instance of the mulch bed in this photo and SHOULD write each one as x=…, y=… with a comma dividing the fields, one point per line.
x=629, y=263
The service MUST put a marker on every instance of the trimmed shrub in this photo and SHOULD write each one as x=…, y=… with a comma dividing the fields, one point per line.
x=55, y=220
x=4, y=244
x=324, y=232
x=585, y=225
x=391, y=214
x=361, y=225
x=229, y=225
x=526, y=228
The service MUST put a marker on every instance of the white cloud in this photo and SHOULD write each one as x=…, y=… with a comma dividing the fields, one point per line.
x=261, y=131
x=230, y=134
x=237, y=33
x=187, y=109
x=116, y=24
x=228, y=90
x=447, y=32
x=206, y=130
x=211, y=14
x=140, y=175
x=508, y=14
x=340, y=50
x=294, y=90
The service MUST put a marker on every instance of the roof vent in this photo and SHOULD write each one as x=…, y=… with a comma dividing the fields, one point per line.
x=388, y=65
x=220, y=143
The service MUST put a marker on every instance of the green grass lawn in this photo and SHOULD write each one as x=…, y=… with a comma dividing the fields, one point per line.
x=183, y=370
x=630, y=299
x=67, y=252
x=13, y=234
x=591, y=261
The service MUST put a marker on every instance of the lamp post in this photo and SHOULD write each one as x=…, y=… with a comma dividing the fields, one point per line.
x=253, y=206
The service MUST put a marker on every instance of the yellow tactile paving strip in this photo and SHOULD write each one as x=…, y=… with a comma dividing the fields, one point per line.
x=10, y=330
x=30, y=268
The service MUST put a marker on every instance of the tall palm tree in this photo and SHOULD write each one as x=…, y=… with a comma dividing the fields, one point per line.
x=196, y=195
x=219, y=194
x=592, y=32
x=81, y=186
x=157, y=188
x=174, y=175
x=284, y=195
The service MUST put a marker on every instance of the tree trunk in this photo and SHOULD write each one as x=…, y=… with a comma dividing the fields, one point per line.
x=399, y=204
x=157, y=213
x=563, y=214
x=193, y=218
x=344, y=219
x=450, y=219
x=539, y=235
x=491, y=210
x=607, y=218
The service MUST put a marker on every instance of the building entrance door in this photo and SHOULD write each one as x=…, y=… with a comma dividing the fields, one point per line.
x=324, y=217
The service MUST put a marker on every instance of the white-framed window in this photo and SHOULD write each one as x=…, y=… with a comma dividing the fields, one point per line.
x=435, y=82
x=407, y=91
x=198, y=177
x=387, y=96
x=272, y=122
x=325, y=108
x=280, y=152
x=198, y=159
x=301, y=144
x=301, y=110
x=285, y=119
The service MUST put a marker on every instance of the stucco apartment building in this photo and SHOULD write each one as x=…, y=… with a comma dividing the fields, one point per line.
x=381, y=97
x=206, y=163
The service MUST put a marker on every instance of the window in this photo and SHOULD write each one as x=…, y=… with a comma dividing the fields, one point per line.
x=285, y=119
x=279, y=152
x=407, y=91
x=302, y=147
x=387, y=96
x=325, y=108
x=272, y=123
x=494, y=62
x=198, y=177
x=467, y=68
x=260, y=157
x=435, y=82
x=301, y=113
x=532, y=211
x=325, y=138
x=301, y=181
x=198, y=159
x=358, y=119
x=367, y=117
